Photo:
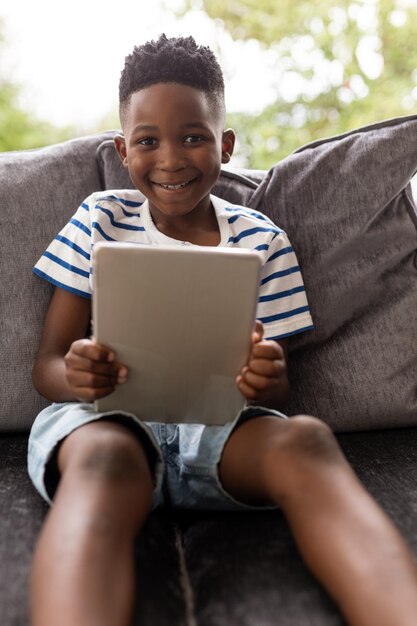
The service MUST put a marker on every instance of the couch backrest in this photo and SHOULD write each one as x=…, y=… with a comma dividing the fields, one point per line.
x=347, y=207
x=39, y=190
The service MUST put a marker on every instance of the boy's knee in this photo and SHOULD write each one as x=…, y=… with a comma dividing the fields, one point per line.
x=302, y=453
x=305, y=441
x=311, y=436
x=113, y=459
x=111, y=454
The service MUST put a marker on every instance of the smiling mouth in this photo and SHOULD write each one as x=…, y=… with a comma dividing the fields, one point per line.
x=175, y=187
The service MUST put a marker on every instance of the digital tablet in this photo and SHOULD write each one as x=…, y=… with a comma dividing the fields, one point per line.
x=180, y=319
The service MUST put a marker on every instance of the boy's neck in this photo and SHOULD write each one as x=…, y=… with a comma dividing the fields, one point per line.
x=199, y=228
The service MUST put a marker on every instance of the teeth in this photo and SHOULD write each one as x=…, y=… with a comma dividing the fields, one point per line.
x=180, y=186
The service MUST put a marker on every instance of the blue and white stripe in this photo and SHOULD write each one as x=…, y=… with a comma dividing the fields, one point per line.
x=123, y=215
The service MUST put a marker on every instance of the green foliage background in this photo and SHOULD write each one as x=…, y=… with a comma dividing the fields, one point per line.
x=19, y=129
x=349, y=63
x=337, y=92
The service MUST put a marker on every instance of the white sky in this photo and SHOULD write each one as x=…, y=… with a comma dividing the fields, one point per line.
x=67, y=57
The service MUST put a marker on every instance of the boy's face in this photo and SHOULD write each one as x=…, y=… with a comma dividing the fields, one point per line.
x=173, y=147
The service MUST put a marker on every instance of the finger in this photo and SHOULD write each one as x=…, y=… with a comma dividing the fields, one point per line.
x=79, y=379
x=246, y=390
x=258, y=332
x=267, y=367
x=259, y=328
x=98, y=367
x=267, y=349
x=89, y=349
x=259, y=382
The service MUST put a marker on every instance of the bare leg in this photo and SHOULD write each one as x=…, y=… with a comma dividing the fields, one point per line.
x=83, y=570
x=344, y=537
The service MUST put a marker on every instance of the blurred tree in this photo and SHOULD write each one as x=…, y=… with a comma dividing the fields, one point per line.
x=18, y=128
x=339, y=65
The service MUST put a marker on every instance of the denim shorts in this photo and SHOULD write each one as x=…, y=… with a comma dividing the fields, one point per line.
x=185, y=457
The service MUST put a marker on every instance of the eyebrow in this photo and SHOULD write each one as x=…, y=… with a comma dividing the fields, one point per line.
x=196, y=125
x=145, y=127
x=153, y=128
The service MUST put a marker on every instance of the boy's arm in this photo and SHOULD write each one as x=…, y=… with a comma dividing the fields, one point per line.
x=264, y=379
x=68, y=366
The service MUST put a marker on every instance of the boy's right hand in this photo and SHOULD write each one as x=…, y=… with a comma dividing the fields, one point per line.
x=91, y=370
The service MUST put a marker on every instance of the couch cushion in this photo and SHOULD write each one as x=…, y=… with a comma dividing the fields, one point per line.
x=40, y=190
x=246, y=569
x=348, y=209
x=22, y=512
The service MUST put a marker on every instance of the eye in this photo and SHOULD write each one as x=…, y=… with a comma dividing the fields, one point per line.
x=147, y=141
x=193, y=139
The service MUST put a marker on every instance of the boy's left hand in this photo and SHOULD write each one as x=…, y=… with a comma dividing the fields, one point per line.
x=264, y=379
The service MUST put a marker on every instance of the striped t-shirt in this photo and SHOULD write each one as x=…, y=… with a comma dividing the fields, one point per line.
x=122, y=215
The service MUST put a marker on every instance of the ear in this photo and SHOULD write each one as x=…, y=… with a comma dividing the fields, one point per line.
x=228, y=144
x=120, y=145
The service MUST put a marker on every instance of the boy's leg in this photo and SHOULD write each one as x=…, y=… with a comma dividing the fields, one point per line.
x=83, y=569
x=344, y=537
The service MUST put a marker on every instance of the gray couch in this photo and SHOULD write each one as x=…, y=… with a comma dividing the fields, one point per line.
x=347, y=205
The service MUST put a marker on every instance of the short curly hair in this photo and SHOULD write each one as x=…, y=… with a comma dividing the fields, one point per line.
x=171, y=60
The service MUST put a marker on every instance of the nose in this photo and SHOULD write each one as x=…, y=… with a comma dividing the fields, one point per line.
x=171, y=157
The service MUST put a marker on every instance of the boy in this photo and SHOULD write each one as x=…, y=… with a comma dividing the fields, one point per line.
x=104, y=471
